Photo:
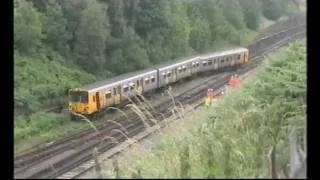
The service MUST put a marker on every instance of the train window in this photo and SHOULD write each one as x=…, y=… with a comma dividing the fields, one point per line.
x=210, y=62
x=197, y=63
x=169, y=74
x=164, y=76
x=108, y=95
x=132, y=85
x=221, y=60
x=147, y=81
x=153, y=79
x=184, y=69
x=239, y=56
x=193, y=65
x=179, y=69
x=79, y=96
x=125, y=89
x=138, y=84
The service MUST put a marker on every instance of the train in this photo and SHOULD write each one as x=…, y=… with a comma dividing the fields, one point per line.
x=96, y=97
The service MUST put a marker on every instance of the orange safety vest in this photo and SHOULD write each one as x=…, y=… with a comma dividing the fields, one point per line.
x=231, y=82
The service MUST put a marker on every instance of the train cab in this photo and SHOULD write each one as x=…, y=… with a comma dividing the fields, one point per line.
x=79, y=101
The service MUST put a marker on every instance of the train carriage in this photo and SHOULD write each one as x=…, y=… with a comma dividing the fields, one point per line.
x=172, y=72
x=97, y=96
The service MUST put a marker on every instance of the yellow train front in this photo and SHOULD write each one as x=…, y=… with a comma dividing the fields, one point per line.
x=79, y=103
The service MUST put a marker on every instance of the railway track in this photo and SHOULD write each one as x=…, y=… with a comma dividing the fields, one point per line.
x=79, y=141
x=269, y=31
x=80, y=151
x=76, y=172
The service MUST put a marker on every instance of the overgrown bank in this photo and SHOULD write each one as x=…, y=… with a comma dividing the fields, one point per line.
x=233, y=139
x=63, y=44
x=54, y=61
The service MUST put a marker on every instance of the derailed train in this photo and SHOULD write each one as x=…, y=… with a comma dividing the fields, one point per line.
x=96, y=97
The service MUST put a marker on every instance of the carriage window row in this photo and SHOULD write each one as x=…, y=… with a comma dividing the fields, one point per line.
x=132, y=85
x=183, y=69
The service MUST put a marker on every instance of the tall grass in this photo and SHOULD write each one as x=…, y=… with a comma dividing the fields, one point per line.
x=247, y=135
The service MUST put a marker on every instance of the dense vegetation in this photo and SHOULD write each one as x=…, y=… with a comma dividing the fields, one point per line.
x=233, y=138
x=64, y=44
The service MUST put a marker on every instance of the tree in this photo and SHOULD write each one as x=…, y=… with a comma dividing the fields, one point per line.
x=91, y=36
x=178, y=37
x=116, y=16
x=233, y=14
x=152, y=15
x=55, y=28
x=200, y=35
x=72, y=12
x=272, y=9
x=27, y=27
x=251, y=10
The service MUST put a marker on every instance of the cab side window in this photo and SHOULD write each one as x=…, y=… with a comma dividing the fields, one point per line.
x=153, y=79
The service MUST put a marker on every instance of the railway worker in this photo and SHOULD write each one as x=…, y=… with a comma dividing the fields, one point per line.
x=230, y=82
x=207, y=102
x=207, y=99
x=236, y=82
x=225, y=90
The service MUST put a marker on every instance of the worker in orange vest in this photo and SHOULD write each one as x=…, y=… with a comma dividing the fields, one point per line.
x=231, y=81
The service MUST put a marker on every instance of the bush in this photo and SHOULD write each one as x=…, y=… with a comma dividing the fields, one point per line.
x=37, y=123
x=272, y=9
x=232, y=139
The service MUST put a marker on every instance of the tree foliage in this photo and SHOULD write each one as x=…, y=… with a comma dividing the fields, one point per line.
x=111, y=37
x=91, y=36
x=251, y=10
x=27, y=27
x=272, y=9
x=55, y=28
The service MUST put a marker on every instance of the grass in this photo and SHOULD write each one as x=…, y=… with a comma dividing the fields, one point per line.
x=39, y=127
x=47, y=127
x=38, y=78
x=238, y=136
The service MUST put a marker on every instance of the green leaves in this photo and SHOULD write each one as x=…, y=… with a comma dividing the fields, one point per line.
x=252, y=13
x=91, y=36
x=27, y=27
x=272, y=9
x=55, y=28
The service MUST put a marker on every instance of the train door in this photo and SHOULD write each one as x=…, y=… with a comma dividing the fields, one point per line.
x=174, y=76
x=246, y=57
x=192, y=68
x=117, y=95
x=139, y=86
x=108, y=99
x=238, y=58
x=233, y=58
x=98, y=100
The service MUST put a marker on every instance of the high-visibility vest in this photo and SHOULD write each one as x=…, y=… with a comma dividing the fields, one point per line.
x=207, y=101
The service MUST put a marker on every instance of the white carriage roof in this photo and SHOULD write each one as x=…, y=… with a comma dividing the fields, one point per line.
x=222, y=53
x=132, y=75
x=110, y=81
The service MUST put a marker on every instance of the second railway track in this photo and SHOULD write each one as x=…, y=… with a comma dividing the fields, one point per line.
x=58, y=158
